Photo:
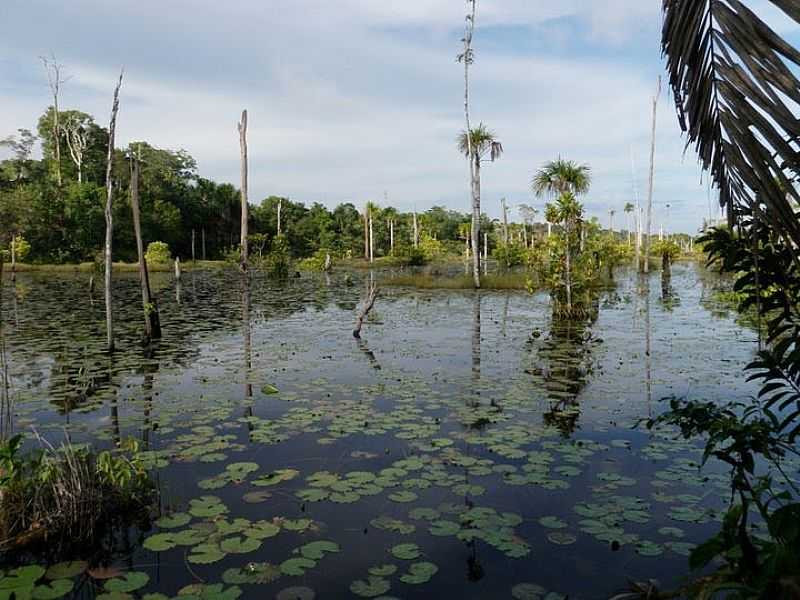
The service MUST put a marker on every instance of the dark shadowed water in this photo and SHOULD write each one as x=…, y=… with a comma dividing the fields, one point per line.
x=467, y=447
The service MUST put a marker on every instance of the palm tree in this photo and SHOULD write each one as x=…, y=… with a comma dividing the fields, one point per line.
x=564, y=179
x=568, y=212
x=478, y=146
x=628, y=211
x=611, y=213
x=560, y=176
x=732, y=77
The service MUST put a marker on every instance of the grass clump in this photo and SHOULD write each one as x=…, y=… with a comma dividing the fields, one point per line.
x=67, y=495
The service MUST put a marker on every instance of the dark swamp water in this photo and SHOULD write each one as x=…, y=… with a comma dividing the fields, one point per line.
x=466, y=448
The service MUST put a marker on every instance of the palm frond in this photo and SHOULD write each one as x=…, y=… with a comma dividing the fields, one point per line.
x=737, y=97
x=483, y=141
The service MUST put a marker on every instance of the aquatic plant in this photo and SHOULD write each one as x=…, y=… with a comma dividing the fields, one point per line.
x=66, y=494
x=754, y=439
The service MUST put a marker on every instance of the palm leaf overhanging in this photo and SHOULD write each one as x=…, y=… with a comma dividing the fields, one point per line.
x=737, y=99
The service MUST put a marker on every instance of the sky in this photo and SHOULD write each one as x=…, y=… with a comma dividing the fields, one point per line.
x=358, y=100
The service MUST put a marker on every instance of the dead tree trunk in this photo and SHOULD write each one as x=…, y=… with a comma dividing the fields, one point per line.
x=371, y=240
x=109, y=216
x=54, y=80
x=650, y=184
x=204, y=243
x=243, y=153
x=391, y=237
x=416, y=231
x=193, y=255
x=280, y=206
x=152, y=323
x=364, y=312
x=366, y=232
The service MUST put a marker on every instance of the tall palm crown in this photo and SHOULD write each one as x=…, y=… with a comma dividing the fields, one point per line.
x=483, y=142
x=628, y=207
x=561, y=176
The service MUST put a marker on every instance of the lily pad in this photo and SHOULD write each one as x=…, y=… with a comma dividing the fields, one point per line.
x=130, y=582
x=371, y=587
x=66, y=570
x=406, y=551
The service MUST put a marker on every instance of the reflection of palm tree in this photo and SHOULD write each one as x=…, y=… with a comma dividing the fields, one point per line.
x=629, y=211
x=563, y=363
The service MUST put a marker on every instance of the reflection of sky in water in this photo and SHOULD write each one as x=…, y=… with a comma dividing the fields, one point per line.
x=427, y=368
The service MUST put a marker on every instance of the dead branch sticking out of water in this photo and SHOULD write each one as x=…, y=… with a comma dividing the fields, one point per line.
x=362, y=315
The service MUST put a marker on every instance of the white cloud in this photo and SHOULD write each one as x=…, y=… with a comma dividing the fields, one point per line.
x=351, y=98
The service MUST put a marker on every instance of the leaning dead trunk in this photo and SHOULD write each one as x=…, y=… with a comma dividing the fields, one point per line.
x=109, y=217
x=243, y=155
x=364, y=312
x=152, y=323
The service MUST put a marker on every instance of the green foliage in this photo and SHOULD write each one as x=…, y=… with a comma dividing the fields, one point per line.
x=430, y=247
x=20, y=246
x=278, y=262
x=317, y=262
x=71, y=489
x=410, y=255
x=510, y=255
x=666, y=249
x=754, y=439
x=157, y=253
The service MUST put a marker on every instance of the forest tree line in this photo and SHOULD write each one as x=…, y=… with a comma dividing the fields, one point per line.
x=57, y=205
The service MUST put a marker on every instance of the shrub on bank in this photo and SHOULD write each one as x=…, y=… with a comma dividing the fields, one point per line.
x=158, y=252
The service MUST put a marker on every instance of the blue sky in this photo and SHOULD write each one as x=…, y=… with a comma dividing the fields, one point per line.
x=354, y=98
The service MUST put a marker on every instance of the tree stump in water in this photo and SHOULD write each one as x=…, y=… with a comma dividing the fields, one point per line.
x=362, y=315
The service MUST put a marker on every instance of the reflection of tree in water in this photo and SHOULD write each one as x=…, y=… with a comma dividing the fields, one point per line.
x=78, y=376
x=474, y=399
x=563, y=363
x=669, y=298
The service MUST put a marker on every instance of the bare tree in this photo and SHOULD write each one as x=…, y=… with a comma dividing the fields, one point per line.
x=467, y=57
x=366, y=231
x=109, y=215
x=650, y=182
x=280, y=206
x=243, y=154
x=416, y=230
x=77, y=137
x=55, y=80
x=152, y=323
